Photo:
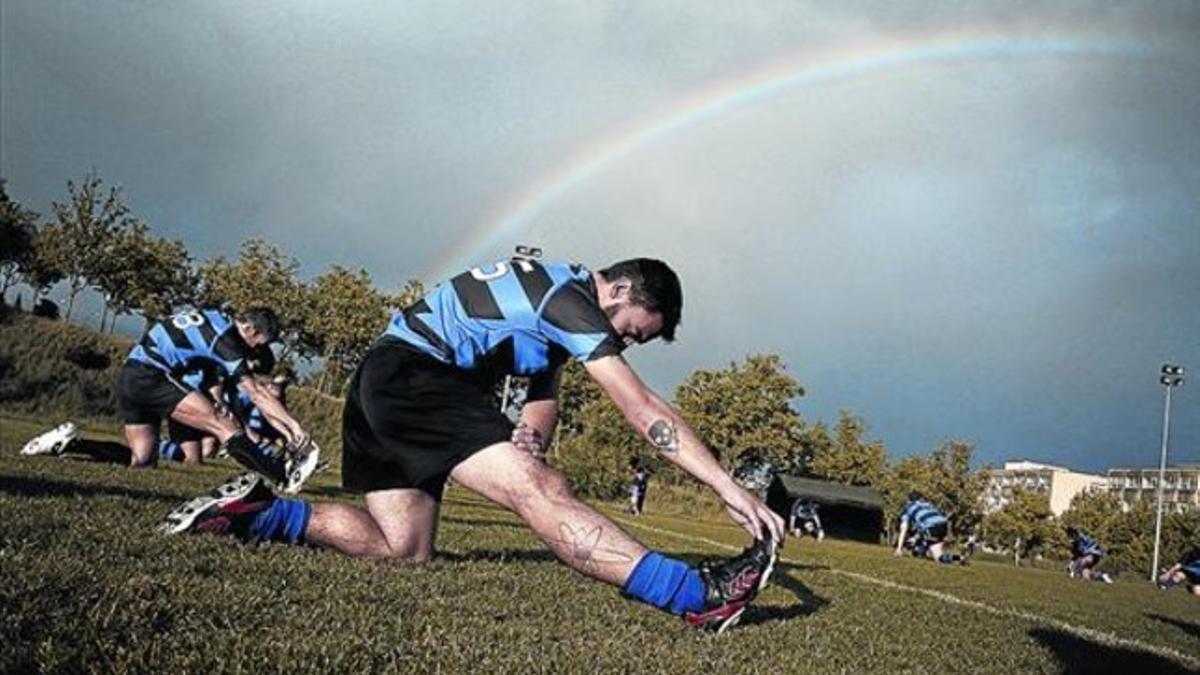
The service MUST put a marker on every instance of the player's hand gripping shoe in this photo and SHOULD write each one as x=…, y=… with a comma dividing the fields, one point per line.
x=229, y=508
x=731, y=585
x=52, y=442
x=302, y=464
x=258, y=458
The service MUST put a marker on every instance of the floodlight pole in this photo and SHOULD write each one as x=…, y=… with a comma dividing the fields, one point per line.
x=1171, y=378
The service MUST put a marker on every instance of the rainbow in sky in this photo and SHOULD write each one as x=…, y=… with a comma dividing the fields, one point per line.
x=494, y=235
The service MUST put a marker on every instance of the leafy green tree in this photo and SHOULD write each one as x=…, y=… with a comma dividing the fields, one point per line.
x=413, y=290
x=575, y=391
x=40, y=272
x=263, y=276
x=142, y=273
x=1126, y=533
x=846, y=456
x=18, y=227
x=1023, y=527
x=596, y=460
x=957, y=489
x=347, y=315
x=1096, y=513
x=172, y=283
x=913, y=473
x=744, y=407
x=944, y=478
x=77, y=241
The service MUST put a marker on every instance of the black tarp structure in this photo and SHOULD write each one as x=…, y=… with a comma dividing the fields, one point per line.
x=847, y=511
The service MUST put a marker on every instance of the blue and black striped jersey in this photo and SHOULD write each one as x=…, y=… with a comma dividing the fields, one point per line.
x=922, y=516
x=518, y=317
x=191, y=341
x=1191, y=561
x=1083, y=545
x=803, y=510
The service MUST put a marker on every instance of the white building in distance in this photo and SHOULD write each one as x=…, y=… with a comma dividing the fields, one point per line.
x=1059, y=484
x=1181, y=486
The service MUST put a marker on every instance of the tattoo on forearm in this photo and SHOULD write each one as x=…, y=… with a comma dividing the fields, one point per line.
x=664, y=436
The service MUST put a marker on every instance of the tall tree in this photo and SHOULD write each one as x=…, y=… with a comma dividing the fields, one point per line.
x=262, y=276
x=413, y=290
x=744, y=407
x=849, y=457
x=1023, y=527
x=347, y=315
x=944, y=478
x=40, y=272
x=576, y=390
x=18, y=227
x=955, y=486
x=80, y=236
x=144, y=273
x=596, y=460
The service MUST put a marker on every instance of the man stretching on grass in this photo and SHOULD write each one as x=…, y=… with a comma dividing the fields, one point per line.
x=421, y=408
x=1085, y=555
x=929, y=529
x=150, y=387
x=1186, y=571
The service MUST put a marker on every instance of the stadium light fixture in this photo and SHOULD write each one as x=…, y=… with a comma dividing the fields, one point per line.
x=1172, y=376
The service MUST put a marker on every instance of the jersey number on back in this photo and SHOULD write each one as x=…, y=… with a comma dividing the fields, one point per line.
x=185, y=320
x=499, y=270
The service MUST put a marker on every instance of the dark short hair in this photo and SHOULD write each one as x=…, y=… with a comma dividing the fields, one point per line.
x=263, y=319
x=1071, y=531
x=262, y=360
x=914, y=496
x=653, y=285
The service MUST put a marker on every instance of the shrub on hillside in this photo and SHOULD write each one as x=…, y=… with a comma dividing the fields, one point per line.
x=321, y=416
x=57, y=369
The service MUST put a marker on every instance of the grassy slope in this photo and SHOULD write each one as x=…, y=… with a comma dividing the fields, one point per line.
x=85, y=584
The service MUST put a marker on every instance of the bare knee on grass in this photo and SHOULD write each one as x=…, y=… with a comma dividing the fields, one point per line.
x=397, y=525
x=143, y=442
x=191, y=452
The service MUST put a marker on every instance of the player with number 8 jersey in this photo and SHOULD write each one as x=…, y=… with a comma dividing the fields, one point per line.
x=150, y=385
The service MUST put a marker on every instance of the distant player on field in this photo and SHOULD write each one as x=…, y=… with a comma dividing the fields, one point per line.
x=924, y=530
x=638, y=485
x=1186, y=571
x=1085, y=555
x=805, y=519
x=421, y=408
x=149, y=387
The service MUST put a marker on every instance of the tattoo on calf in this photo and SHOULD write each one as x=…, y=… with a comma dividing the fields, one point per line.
x=664, y=436
x=582, y=547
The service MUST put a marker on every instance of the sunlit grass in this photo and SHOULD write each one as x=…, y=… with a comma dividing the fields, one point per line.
x=86, y=585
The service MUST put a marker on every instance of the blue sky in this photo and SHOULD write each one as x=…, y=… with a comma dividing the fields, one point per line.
x=1000, y=247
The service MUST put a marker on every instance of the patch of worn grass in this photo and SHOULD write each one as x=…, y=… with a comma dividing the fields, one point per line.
x=86, y=585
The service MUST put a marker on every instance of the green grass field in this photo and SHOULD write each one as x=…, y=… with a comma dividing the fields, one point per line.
x=86, y=585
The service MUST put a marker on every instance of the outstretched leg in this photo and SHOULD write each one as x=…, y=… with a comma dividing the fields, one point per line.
x=579, y=535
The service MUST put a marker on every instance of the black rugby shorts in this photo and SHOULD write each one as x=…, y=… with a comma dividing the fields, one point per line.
x=410, y=419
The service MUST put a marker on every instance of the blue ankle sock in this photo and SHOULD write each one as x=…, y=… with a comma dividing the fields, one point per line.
x=170, y=450
x=284, y=520
x=666, y=583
